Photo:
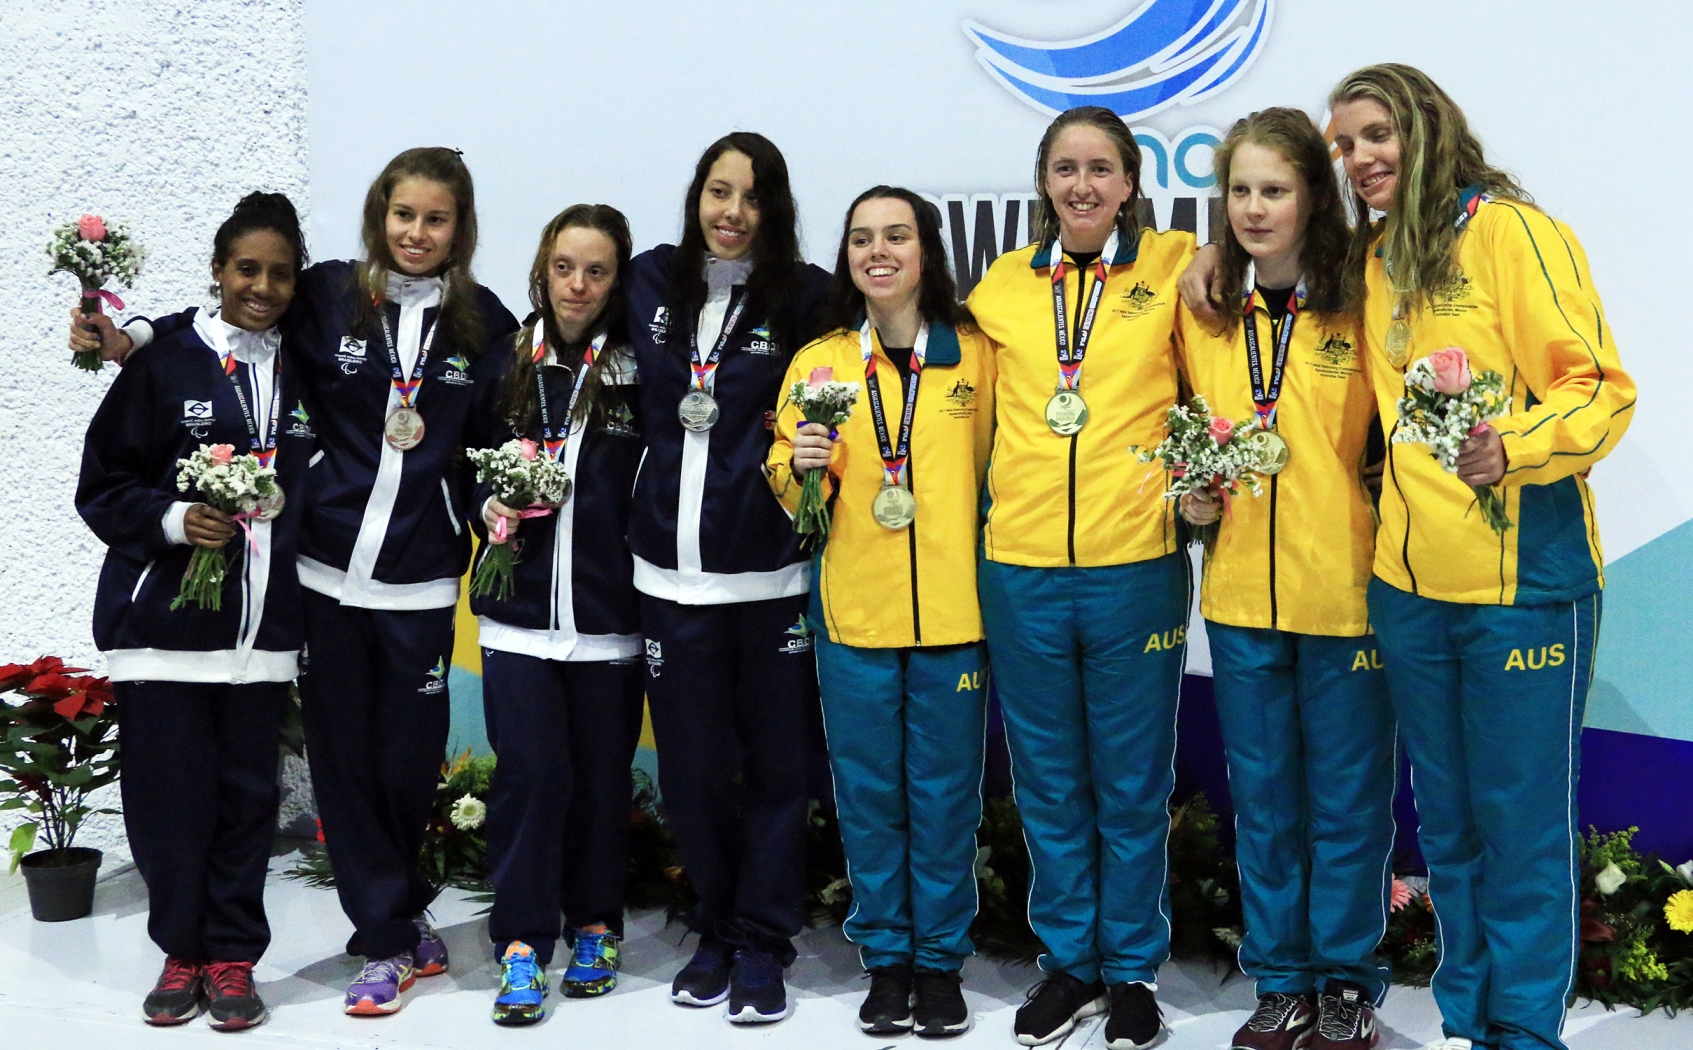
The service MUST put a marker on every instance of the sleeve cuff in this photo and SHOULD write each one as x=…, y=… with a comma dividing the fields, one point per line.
x=174, y=520
x=140, y=332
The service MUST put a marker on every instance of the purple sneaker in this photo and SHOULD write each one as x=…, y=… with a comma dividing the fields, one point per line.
x=375, y=992
x=431, y=951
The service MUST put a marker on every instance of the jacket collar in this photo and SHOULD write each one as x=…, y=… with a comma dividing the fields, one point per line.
x=1122, y=250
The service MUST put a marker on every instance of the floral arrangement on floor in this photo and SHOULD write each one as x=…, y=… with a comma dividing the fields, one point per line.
x=58, y=743
x=94, y=253
x=1410, y=940
x=1636, y=927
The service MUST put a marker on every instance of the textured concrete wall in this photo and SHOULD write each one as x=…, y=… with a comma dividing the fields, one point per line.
x=161, y=114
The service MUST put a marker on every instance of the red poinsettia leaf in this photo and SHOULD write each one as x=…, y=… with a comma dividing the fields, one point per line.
x=51, y=684
x=70, y=706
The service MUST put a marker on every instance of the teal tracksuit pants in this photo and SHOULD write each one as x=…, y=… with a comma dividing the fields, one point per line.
x=1312, y=769
x=907, y=731
x=1490, y=701
x=1088, y=665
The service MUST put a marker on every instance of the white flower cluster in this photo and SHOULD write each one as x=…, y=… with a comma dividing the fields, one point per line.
x=233, y=484
x=96, y=262
x=521, y=474
x=1195, y=461
x=827, y=403
x=1443, y=421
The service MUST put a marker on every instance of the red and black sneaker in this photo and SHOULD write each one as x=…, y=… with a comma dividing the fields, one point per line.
x=235, y=1002
x=179, y=994
x=1281, y=1022
x=1346, y=1018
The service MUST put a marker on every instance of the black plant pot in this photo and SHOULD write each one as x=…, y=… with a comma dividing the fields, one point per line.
x=61, y=882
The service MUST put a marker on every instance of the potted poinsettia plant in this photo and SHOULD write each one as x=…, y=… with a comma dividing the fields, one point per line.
x=58, y=743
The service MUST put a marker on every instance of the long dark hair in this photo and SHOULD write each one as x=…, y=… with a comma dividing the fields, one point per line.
x=1047, y=227
x=775, y=247
x=518, y=402
x=458, y=306
x=1292, y=136
x=937, y=294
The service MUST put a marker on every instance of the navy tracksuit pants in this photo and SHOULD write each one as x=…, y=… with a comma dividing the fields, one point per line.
x=733, y=694
x=558, y=807
x=1088, y=664
x=906, y=741
x=1312, y=768
x=1490, y=701
x=374, y=699
x=199, y=805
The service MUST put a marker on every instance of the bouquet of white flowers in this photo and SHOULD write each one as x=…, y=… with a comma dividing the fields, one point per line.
x=1206, y=453
x=1444, y=404
x=524, y=479
x=94, y=253
x=240, y=486
x=822, y=400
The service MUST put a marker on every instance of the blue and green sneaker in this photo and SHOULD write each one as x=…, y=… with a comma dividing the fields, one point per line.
x=593, y=965
x=523, y=987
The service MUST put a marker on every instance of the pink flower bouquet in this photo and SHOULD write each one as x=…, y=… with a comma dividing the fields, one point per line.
x=822, y=400
x=95, y=253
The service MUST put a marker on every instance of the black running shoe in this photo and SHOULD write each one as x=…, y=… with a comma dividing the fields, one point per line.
x=887, y=1009
x=705, y=980
x=179, y=994
x=235, y=1002
x=1135, y=1021
x=941, y=1012
x=1054, y=1006
x=756, y=992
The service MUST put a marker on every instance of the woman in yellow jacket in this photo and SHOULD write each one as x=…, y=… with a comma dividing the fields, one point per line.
x=1488, y=638
x=1084, y=584
x=893, y=606
x=1305, y=716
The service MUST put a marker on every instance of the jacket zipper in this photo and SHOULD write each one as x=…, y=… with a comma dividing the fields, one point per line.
x=452, y=512
x=1274, y=478
x=1081, y=296
x=1405, y=543
x=911, y=534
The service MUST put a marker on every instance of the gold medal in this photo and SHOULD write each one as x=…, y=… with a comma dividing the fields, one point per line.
x=1398, y=343
x=894, y=507
x=404, y=429
x=1271, y=451
x=1066, y=413
x=698, y=411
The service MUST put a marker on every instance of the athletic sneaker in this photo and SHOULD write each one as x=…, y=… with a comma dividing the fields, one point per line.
x=1346, y=1018
x=941, y=1012
x=430, y=956
x=178, y=995
x=1451, y=1042
x=1054, y=1006
x=1135, y=1020
x=235, y=1002
x=523, y=987
x=375, y=992
x=1281, y=1022
x=756, y=992
x=593, y=965
x=887, y=1009
x=705, y=980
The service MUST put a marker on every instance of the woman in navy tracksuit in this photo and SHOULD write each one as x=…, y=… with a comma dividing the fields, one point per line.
x=730, y=676
x=200, y=691
x=385, y=346
x=561, y=671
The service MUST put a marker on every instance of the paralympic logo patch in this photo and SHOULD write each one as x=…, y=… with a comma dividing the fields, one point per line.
x=1164, y=52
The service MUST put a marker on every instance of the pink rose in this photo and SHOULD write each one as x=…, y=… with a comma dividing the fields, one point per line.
x=529, y=448
x=1451, y=370
x=820, y=375
x=222, y=454
x=91, y=228
x=1221, y=430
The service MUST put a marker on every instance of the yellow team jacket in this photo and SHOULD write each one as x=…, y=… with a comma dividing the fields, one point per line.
x=1296, y=558
x=1521, y=302
x=1082, y=500
x=871, y=586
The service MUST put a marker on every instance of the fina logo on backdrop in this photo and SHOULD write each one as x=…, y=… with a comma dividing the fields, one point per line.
x=1163, y=53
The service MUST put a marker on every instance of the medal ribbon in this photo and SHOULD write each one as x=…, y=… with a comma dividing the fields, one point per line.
x=555, y=445
x=1070, y=360
x=407, y=387
x=1265, y=395
x=704, y=370
x=893, y=459
x=264, y=451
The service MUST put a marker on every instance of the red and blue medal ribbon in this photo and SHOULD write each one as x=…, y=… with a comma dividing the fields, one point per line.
x=1070, y=358
x=894, y=458
x=551, y=441
x=1266, y=390
x=406, y=386
x=706, y=369
x=264, y=450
